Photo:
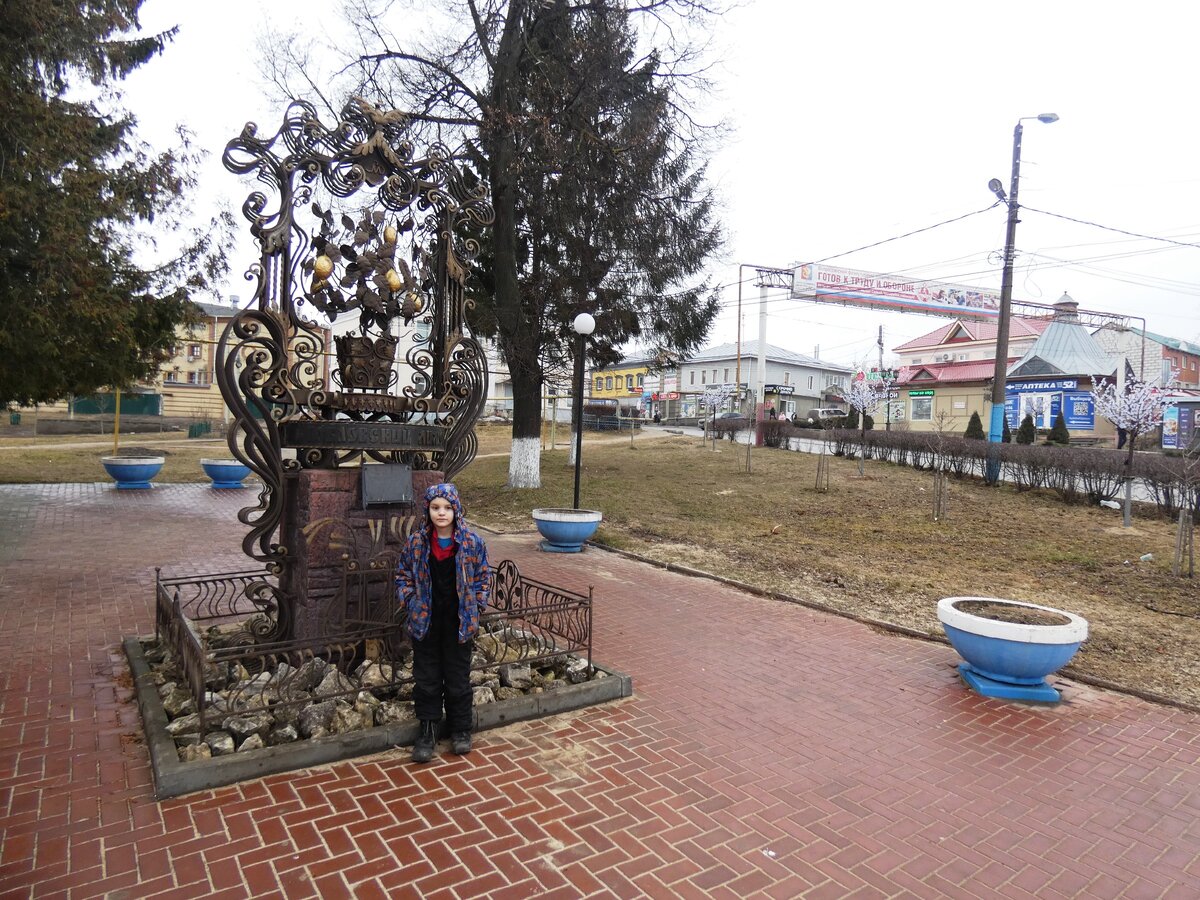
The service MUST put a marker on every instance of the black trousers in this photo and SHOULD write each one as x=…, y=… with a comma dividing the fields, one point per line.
x=442, y=673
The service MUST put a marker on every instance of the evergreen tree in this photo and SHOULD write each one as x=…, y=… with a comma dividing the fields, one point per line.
x=851, y=420
x=1027, y=433
x=1006, y=435
x=974, y=430
x=1059, y=433
x=76, y=312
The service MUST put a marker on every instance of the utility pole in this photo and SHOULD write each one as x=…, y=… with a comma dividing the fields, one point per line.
x=766, y=277
x=885, y=377
x=1000, y=369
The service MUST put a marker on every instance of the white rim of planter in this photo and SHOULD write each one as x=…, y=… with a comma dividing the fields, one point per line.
x=133, y=460
x=222, y=462
x=1074, y=631
x=568, y=515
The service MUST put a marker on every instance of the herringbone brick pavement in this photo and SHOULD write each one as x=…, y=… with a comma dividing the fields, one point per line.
x=769, y=751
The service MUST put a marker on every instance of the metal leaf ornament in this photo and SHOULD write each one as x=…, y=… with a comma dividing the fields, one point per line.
x=380, y=286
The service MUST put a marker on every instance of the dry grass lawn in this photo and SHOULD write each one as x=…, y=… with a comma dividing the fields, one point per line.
x=869, y=545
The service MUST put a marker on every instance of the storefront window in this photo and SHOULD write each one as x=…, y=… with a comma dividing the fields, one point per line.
x=922, y=409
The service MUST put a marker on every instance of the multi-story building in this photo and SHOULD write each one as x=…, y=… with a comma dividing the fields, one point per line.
x=1153, y=357
x=185, y=386
x=794, y=383
x=625, y=382
x=968, y=340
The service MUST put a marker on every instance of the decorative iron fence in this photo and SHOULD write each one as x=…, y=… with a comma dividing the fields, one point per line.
x=219, y=630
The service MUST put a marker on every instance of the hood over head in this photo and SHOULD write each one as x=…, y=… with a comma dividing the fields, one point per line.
x=449, y=492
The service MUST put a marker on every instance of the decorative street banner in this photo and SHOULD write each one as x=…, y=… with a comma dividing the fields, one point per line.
x=1170, y=428
x=831, y=284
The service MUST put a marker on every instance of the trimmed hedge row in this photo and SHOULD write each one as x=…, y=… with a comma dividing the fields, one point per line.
x=1074, y=473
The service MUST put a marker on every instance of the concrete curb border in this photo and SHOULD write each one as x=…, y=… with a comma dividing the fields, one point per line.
x=173, y=778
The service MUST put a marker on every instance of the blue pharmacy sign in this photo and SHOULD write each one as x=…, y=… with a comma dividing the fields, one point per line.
x=1044, y=400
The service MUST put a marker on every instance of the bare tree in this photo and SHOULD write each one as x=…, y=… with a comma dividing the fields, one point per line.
x=576, y=115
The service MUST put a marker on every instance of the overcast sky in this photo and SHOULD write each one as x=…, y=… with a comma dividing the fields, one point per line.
x=858, y=122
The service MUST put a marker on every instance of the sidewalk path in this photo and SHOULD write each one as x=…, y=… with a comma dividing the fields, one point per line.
x=769, y=751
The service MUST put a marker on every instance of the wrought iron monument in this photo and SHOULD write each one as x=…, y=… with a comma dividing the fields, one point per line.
x=354, y=219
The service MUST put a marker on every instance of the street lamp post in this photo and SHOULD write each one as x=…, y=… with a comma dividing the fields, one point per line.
x=583, y=325
x=999, y=373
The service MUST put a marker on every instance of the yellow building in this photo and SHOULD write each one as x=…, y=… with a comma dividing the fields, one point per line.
x=623, y=382
x=186, y=385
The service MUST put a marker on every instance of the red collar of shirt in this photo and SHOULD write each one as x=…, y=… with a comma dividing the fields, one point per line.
x=439, y=552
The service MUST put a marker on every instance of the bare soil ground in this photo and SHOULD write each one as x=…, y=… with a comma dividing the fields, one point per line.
x=869, y=546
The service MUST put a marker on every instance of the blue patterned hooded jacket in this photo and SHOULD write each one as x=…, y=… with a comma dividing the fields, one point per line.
x=414, y=585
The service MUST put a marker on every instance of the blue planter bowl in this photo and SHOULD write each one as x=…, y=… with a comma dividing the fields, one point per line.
x=1008, y=659
x=565, y=530
x=132, y=473
x=225, y=473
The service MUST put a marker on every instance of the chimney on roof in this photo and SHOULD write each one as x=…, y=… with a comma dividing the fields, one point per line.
x=1066, y=309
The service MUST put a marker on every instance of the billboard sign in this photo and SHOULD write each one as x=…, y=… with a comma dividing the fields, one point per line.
x=833, y=284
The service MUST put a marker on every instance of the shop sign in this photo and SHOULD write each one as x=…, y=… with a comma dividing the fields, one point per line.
x=783, y=390
x=1042, y=387
x=920, y=393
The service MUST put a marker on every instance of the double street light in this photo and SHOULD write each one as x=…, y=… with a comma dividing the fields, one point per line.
x=996, y=426
x=583, y=325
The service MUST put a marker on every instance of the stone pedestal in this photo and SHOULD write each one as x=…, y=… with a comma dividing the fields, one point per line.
x=344, y=556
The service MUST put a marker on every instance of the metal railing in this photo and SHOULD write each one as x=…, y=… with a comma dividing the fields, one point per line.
x=220, y=630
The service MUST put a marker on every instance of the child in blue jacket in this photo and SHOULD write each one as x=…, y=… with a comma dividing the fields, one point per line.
x=443, y=581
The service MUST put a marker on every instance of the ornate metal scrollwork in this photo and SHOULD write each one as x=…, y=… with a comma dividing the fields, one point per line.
x=271, y=369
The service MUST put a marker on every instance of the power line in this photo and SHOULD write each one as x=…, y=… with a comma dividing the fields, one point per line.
x=1147, y=237
x=907, y=234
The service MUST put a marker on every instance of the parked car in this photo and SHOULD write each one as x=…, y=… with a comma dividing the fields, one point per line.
x=722, y=417
x=822, y=417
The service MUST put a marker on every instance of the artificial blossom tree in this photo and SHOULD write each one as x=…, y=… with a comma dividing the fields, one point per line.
x=864, y=397
x=1137, y=408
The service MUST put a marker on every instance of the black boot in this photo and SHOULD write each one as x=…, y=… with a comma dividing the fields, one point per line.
x=422, y=751
x=461, y=741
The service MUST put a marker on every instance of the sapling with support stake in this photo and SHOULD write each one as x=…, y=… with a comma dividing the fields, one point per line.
x=1185, y=533
x=823, y=468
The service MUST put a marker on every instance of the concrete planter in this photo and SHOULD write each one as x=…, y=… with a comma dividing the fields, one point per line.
x=132, y=473
x=225, y=473
x=565, y=530
x=1010, y=660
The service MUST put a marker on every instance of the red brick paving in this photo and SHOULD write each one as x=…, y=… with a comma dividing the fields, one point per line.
x=769, y=751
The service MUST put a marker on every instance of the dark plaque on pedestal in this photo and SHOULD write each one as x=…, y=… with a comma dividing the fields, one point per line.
x=386, y=485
